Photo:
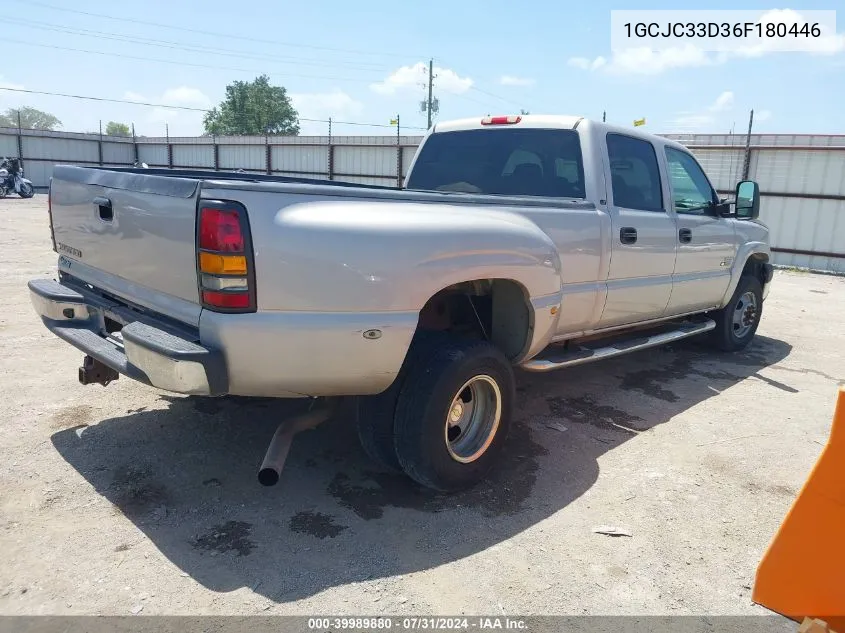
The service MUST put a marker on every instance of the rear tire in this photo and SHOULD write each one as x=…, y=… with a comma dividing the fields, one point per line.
x=375, y=414
x=453, y=415
x=737, y=322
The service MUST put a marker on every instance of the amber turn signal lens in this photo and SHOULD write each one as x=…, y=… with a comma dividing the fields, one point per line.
x=222, y=264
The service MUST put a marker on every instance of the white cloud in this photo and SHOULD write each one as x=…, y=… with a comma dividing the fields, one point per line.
x=646, y=61
x=586, y=64
x=511, y=80
x=181, y=96
x=335, y=104
x=414, y=77
x=763, y=115
x=184, y=95
x=724, y=101
x=693, y=120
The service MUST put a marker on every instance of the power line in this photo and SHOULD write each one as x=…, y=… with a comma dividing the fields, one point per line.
x=129, y=101
x=176, y=107
x=495, y=96
x=175, y=62
x=58, y=28
x=31, y=3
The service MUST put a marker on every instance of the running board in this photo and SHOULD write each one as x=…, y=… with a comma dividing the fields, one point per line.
x=551, y=359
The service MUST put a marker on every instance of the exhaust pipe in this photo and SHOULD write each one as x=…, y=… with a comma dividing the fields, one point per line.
x=277, y=452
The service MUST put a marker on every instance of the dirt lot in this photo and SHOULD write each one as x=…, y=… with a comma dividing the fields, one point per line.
x=123, y=499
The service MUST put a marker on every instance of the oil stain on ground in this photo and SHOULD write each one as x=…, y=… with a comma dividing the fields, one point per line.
x=232, y=536
x=316, y=524
x=690, y=362
x=585, y=410
x=502, y=493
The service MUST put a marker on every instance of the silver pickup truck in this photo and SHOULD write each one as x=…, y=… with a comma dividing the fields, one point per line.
x=542, y=242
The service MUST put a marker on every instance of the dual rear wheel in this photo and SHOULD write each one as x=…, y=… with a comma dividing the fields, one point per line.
x=444, y=420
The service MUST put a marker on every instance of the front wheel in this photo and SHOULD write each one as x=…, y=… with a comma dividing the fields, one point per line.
x=737, y=322
x=26, y=190
x=453, y=415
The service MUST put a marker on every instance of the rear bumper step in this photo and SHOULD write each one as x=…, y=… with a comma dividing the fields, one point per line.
x=141, y=352
x=552, y=358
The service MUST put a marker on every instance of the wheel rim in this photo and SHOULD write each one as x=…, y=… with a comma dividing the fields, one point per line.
x=473, y=419
x=745, y=314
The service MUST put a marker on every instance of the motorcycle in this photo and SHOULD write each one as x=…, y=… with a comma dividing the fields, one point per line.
x=11, y=179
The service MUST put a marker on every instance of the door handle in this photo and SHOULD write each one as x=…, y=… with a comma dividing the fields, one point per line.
x=104, y=208
x=685, y=236
x=628, y=235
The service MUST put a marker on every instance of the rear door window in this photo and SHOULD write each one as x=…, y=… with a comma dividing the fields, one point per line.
x=517, y=162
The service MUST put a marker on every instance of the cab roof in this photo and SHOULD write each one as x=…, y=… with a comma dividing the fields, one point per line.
x=556, y=121
x=547, y=121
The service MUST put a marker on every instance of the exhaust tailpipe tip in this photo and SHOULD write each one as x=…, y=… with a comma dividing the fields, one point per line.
x=277, y=451
x=268, y=477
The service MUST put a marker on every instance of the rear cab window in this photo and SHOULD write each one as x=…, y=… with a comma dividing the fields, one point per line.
x=514, y=162
x=634, y=172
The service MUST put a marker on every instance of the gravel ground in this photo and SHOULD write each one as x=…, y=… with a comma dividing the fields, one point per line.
x=125, y=499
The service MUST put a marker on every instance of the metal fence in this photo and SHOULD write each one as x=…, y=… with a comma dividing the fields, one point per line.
x=801, y=177
x=367, y=160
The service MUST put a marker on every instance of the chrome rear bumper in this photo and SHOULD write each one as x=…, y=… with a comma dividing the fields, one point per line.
x=140, y=351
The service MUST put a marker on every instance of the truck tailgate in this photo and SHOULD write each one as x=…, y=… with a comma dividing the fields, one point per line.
x=129, y=234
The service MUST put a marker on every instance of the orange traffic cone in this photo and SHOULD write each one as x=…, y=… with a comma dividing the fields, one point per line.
x=802, y=574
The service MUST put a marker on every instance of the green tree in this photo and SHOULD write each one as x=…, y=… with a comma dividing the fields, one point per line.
x=253, y=107
x=30, y=118
x=113, y=128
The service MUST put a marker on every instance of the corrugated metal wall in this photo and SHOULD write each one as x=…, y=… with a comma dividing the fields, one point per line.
x=802, y=181
x=801, y=177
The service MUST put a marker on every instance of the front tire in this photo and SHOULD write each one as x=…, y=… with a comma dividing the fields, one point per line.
x=453, y=415
x=27, y=190
x=737, y=322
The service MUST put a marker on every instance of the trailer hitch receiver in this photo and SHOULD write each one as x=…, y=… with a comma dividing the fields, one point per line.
x=95, y=372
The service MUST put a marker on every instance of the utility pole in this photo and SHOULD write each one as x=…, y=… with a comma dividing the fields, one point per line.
x=604, y=116
x=430, y=89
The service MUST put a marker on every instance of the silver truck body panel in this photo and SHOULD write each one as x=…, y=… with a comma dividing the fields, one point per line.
x=333, y=262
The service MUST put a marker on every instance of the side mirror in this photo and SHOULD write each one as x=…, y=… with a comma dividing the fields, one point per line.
x=747, y=200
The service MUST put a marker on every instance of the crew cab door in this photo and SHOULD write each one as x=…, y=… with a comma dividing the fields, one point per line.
x=706, y=241
x=643, y=236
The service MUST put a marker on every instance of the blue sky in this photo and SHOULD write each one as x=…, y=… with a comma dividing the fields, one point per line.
x=363, y=62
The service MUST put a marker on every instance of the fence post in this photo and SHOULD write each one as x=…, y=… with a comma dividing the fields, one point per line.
x=216, y=152
x=20, y=139
x=169, y=147
x=331, y=152
x=268, y=158
x=747, y=164
x=100, y=144
x=135, y=146
x=398, y=155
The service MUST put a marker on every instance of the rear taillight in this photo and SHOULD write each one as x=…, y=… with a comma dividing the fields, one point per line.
x=224, y=258
x=501, y=120
x=50, y=213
